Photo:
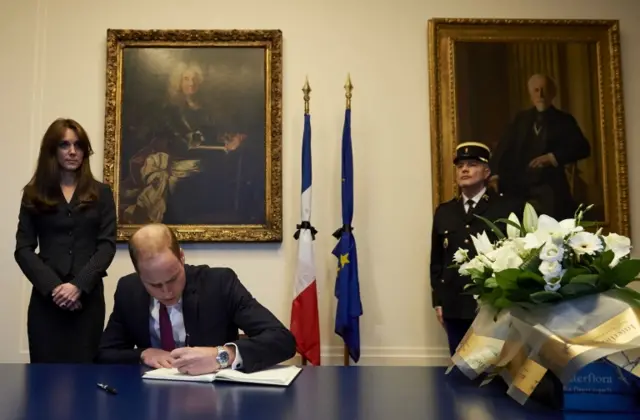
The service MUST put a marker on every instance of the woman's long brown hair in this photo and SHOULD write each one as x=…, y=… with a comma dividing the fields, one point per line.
x=43, y=192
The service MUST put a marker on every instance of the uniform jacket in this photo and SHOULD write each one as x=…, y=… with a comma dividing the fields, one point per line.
x=452, y=229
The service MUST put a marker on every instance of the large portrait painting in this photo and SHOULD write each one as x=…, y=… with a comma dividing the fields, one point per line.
x=193, y=132
x=546, y=97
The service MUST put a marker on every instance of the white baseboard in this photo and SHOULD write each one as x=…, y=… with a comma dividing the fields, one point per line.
x=387, y=356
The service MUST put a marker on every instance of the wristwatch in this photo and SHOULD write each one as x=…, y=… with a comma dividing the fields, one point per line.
x=223, y=357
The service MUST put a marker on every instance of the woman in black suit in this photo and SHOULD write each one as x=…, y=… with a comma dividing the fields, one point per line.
x=72, y=218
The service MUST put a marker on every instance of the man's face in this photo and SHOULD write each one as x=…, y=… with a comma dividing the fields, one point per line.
x=471, y=172
x=190, y=83
x=540, y=92
x=163, y=276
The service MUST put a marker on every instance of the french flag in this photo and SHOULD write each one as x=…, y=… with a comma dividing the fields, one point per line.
x=305, y=325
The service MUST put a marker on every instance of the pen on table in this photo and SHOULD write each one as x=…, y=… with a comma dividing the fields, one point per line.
x=107, y=388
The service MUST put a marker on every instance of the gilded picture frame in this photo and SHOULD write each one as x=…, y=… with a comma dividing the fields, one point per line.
x=485, y=73
x=193, y=132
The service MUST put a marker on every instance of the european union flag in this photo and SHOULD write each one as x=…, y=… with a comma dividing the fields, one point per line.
x=347, y=289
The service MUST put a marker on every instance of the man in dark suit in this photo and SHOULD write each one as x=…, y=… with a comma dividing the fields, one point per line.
x=170, y=314
x=530, y=160
x=453, y=224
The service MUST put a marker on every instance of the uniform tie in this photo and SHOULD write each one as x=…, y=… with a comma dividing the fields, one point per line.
x=470, y=204
x=166, y=332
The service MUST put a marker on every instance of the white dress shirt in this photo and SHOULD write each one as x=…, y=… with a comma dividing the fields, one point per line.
x=177, y=325
x=475, y=199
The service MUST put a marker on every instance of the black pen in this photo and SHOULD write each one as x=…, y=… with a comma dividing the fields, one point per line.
x=107, y=388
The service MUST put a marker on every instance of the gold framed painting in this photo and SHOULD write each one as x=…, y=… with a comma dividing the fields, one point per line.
x=193, y=132
x=546, y=97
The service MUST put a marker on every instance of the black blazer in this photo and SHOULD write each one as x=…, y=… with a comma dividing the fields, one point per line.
x=77, y=243
x=215, y=305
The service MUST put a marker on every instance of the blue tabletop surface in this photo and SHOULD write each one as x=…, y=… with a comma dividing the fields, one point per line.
x=69, y=392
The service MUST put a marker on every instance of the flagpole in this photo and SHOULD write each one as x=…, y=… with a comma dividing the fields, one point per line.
x=348, y=87
x=306, y=90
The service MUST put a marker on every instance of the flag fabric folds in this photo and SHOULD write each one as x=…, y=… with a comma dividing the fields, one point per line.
x=347, y=288
x=305, y=324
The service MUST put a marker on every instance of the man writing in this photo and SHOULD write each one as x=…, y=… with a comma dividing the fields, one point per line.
x=171, y=314
x=453, y=224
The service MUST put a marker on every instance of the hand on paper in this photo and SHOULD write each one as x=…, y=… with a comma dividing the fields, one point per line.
x=196, y=360
x=157, y=358
x=66, y=296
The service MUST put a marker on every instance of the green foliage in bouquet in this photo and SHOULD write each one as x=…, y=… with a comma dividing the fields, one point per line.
x=542, y=260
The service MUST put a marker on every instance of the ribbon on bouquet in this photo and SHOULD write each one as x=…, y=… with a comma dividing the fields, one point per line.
x=522, y=345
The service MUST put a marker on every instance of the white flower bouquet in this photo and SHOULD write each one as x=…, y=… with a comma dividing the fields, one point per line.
x=542, y=260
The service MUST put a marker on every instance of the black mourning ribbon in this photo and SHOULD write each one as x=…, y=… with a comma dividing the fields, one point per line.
x=305, y=225
x=345, y=228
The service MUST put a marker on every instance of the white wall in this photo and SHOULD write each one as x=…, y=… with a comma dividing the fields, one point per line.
x=53, y=56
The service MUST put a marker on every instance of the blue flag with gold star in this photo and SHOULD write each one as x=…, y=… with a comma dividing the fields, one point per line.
x=347, y=290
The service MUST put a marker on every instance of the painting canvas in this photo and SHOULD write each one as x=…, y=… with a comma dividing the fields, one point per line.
x=546, y=97
x=193, y=133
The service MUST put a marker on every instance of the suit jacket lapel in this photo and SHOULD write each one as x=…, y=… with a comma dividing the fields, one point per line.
x=524, y=130
x=190, y=308
x=142, y=315
x=462, y=209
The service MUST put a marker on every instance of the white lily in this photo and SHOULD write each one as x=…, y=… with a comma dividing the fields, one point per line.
x=512, y=231
x=619, y=244
x=482, y=243
x=530, y=218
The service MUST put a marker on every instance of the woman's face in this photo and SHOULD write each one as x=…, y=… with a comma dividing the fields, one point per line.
x=70, y=155
x=190, y=83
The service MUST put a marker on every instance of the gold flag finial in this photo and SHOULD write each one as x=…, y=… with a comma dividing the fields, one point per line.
x=306, y=89
x=348, y=87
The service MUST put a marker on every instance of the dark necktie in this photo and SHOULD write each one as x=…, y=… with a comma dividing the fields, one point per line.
x=166, y=332
x=470, y=204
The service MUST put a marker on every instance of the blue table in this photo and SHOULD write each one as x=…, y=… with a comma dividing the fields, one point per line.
x=69, y=392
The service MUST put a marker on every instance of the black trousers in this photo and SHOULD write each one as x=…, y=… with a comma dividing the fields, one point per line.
x=456, y=329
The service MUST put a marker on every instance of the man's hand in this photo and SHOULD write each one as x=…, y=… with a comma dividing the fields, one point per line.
x=233, y=141
x=157, y=358
x=65, y=295
x=439, y=315
x=198, y=360
x=543, y=161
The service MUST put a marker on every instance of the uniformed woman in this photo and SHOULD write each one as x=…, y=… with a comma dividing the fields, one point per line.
x=454, y=223
x=71, y=217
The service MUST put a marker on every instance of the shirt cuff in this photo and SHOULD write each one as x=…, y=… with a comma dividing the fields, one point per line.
x=237, y=362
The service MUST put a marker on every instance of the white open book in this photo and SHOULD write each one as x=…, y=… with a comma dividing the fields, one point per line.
x=277, y=375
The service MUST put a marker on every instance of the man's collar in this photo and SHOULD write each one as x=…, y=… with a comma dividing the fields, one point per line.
x=155, y=302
